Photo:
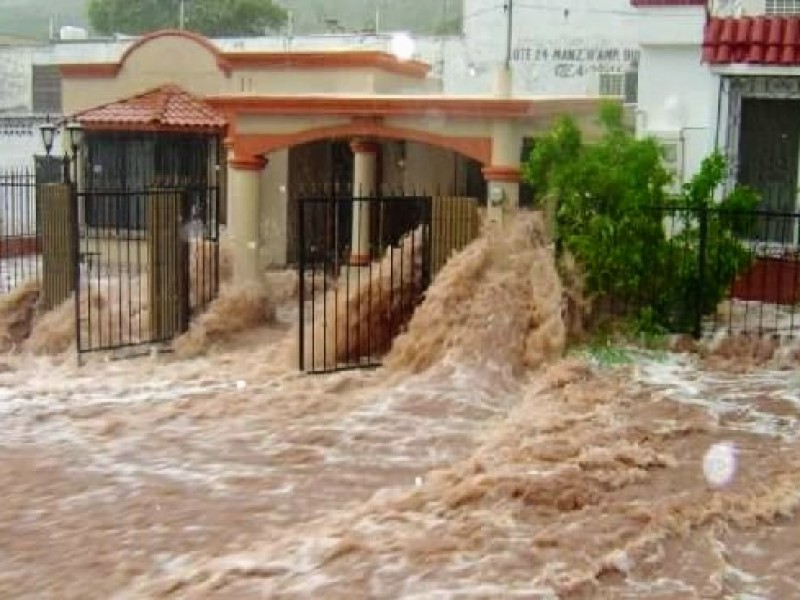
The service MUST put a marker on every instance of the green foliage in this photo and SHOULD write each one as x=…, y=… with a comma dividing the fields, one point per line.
x=30, y=18
x=611, y=210
x=209, y=17
x=608, y=355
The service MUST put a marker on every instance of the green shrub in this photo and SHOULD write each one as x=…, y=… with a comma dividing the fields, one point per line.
x=609, y=203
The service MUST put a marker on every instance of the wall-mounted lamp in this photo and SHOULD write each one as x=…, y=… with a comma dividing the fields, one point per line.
x=48, y=133
x=401, y=155
x=497, y=195
x=75, y=133
x=75, y=138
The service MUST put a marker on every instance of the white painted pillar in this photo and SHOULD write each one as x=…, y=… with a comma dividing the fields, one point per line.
x=365, y=154
x=244, y=216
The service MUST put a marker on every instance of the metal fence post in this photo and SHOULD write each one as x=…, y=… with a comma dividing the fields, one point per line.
x=427, y=256
x=301, y=279
x=701, y=271
x=75, y=234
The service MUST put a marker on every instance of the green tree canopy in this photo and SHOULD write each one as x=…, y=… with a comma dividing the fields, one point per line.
x=209, y=17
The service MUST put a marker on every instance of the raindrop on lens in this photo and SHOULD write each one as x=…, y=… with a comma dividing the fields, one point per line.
x=719, y=464
x=402, y=46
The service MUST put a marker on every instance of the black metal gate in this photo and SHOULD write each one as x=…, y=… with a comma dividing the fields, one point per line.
x=148, y=260
x=364, y=264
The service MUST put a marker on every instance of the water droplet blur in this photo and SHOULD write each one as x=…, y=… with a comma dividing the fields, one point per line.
x=402, y=46
x=719, y=464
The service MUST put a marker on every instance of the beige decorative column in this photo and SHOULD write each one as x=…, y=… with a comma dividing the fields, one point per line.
x=503, y=175
x=364, y=185
x=244, y=216
x=502, y=190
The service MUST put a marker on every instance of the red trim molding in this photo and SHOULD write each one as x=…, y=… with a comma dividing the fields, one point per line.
x=502, y=174
x=19, y=246
x=89, y=70
x=228, y=61
x=364, y=147
x=396, y=106
x=250, y=163
x=89, y=126
x=359, y=260
x=111, y=70
x=254, y=144
x=347, y=59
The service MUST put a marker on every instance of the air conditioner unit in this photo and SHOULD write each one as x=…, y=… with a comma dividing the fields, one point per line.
x=671, y=156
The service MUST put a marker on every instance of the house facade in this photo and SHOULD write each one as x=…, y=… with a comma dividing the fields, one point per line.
x=290, y=120
x=726, y=75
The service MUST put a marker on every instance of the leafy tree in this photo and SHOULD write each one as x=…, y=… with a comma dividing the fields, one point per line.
x=209, y=17
x=608, y=203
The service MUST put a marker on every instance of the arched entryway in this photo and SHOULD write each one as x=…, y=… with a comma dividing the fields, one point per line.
x=401, y=167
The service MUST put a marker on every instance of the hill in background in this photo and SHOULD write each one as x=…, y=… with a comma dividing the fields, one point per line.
x=32, y=18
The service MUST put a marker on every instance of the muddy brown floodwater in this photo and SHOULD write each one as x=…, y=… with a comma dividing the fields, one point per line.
x=479, y=465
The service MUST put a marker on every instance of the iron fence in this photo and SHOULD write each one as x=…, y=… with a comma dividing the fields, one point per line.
x=721, y=271
x=364, y=263
x=19, y=236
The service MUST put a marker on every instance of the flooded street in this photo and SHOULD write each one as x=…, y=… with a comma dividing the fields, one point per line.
x=478, y=463
x=581, y=482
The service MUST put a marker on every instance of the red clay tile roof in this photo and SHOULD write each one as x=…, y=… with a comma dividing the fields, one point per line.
x=752, y=40
x=164, y=108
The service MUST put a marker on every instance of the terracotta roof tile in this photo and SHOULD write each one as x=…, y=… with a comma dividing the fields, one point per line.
x=166, y=107
x=752, y=40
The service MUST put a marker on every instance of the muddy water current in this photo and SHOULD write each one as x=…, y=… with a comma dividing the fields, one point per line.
x=461, y=473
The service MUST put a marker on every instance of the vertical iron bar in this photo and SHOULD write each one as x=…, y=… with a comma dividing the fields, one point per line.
x=701, y=272
x=302, y=281
x=75, y=258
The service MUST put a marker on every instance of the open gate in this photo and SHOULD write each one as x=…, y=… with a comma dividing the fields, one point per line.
x=364, y=263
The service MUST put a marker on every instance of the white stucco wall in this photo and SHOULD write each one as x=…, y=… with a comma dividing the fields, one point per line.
x=677, y=92
x=17, y=148
x=681, y=106
x=15, y=78
x=559, y=46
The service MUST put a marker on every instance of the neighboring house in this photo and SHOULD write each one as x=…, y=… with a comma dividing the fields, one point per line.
x=559, y=47
x=726, y=75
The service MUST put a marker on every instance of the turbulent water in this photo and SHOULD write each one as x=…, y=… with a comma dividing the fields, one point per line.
x=477, y=464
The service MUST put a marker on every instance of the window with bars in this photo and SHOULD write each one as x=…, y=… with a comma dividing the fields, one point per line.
x=623, y=85
x=783, y=7
x=612, y=84
x=46, y=89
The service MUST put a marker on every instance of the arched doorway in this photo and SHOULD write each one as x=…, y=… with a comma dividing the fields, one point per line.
x=403, y=167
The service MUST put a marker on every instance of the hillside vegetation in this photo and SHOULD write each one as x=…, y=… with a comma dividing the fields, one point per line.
x=31, y=18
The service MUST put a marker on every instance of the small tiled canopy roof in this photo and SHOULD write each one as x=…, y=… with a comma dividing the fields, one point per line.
x=167, y=108
x=753, y=40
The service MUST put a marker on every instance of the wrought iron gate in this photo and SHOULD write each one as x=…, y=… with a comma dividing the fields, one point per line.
x=364, y=263
x=147, y=260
